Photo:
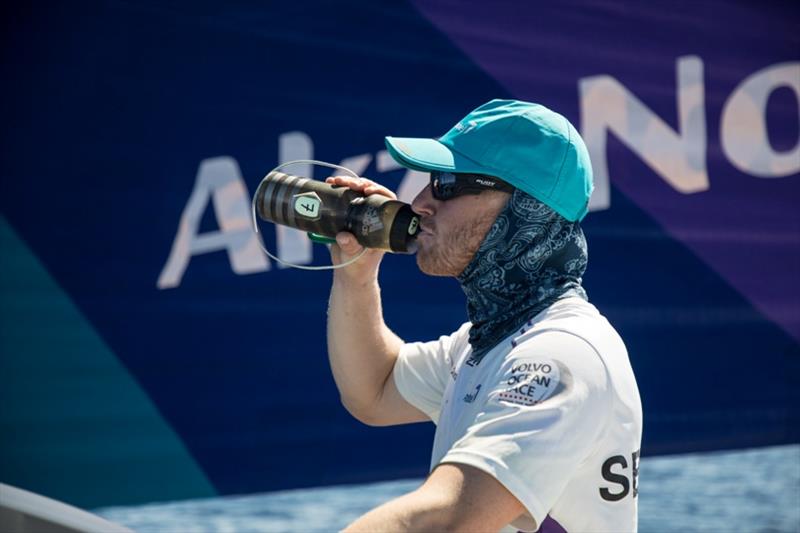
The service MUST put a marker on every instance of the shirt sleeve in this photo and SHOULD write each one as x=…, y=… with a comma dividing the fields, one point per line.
x=423, y=368
x=544, y=414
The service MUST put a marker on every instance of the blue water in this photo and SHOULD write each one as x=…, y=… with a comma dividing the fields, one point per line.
x=753, y=490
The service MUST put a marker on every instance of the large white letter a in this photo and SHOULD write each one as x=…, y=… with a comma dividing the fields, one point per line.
x=218, y=178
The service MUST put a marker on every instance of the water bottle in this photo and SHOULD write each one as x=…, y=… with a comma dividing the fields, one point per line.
x=324, y=210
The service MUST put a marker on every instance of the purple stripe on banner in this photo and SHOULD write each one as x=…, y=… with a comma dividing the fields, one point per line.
x=744, y=226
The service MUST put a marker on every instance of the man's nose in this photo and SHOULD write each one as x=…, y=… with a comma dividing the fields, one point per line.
x=424, y=203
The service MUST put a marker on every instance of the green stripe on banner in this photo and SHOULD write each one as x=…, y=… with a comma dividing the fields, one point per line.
x=74, y=424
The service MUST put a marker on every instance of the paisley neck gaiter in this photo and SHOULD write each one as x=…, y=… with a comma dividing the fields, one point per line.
x=530, y=257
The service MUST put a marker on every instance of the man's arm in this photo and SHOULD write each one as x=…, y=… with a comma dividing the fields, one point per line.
x=362, y=350
x=455, y=497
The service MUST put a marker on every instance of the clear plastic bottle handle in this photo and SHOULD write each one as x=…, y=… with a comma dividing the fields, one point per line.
x=255, y=221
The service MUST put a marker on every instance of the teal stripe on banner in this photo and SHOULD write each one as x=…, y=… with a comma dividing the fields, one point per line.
x=74, y=424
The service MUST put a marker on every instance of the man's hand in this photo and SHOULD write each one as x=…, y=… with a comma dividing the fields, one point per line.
x=346, y=247
x=455, y=497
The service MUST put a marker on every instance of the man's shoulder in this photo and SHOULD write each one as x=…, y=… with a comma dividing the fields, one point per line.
x=569, y=326
x=578, y=317
x=560, y=343
x=570, y=307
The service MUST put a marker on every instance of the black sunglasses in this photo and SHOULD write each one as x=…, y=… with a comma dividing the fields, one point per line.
x=447, y=185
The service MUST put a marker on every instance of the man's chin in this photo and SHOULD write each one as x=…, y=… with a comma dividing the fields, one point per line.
x=429, y=265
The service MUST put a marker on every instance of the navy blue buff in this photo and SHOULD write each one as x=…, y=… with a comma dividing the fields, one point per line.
x=530, y=257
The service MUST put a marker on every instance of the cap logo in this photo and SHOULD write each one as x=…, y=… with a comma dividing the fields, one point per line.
x=461, y=128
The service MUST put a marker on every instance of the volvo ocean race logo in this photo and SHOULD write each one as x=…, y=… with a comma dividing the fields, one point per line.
x=529, y=381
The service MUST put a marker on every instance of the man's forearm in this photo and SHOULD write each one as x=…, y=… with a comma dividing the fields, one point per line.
x=361, y=348
x=454, y=497
x=410, y=512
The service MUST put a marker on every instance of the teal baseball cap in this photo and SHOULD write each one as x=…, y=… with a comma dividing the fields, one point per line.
x=524, y=144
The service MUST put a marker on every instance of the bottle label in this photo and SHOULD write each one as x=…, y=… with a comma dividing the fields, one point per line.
x=307, y=205
x=371, y=221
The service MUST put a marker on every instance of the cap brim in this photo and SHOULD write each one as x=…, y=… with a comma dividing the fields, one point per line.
x=429, y=154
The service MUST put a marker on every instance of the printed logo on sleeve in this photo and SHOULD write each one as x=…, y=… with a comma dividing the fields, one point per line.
x=529, y=382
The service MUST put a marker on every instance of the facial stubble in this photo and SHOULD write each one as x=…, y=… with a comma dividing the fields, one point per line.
x=450, y=254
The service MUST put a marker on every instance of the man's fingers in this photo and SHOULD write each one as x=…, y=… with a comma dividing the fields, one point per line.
x=348, y=181
x=364, y=186
x=379, y=189
x=348, y=243
x=353, y=183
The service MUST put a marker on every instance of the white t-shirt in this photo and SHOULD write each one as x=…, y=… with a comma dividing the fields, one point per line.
x=552, y=412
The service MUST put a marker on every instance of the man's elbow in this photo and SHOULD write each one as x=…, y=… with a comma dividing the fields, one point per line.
x=364, y=413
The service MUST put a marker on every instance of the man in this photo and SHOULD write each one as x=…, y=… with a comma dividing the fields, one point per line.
x=537, y=410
